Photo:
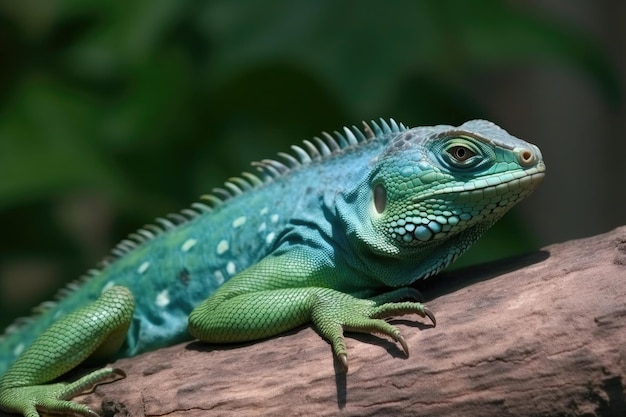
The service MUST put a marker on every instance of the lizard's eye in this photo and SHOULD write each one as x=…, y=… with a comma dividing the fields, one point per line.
x=460, y=153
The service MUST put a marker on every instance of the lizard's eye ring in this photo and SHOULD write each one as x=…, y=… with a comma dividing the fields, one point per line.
x=461, y=153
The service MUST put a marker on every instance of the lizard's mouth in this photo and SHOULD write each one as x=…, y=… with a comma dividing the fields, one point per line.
x=517, y=183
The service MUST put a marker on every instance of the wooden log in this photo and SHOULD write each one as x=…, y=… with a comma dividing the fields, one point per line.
x=538, y=335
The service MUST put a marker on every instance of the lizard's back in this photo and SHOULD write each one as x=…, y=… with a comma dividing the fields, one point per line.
x=173, y=265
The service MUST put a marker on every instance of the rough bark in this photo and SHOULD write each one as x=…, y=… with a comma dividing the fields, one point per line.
x=538, y=335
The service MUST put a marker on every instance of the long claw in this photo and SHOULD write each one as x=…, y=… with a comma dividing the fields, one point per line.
x=400, y=339
x=430, y=315
x=93, y=413
x=343, y=358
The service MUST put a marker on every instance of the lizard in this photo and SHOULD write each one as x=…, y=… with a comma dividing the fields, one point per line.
x=331, y=234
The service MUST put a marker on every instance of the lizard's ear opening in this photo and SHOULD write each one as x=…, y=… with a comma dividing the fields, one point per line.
x=380, y=198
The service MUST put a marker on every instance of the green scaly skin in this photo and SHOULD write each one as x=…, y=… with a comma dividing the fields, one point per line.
x=332, y=236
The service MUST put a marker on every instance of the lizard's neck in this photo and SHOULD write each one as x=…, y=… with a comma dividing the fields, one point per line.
x=384, y=262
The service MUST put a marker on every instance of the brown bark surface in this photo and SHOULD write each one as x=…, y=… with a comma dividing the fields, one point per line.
x=538, y=335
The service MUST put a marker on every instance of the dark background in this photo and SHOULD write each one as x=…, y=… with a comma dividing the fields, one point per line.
x=114, y=113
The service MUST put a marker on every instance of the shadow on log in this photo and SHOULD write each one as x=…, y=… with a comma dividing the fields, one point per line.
x=539, y=335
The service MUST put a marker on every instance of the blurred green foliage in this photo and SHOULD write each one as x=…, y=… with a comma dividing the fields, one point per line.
x=149, y=103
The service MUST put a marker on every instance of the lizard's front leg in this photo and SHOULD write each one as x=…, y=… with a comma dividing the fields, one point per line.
x=96, y=329
x=281, y=293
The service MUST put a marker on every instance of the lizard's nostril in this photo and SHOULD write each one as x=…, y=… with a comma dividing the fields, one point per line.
x=526, y=157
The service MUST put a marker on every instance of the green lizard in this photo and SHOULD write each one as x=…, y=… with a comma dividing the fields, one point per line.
x=319, y=237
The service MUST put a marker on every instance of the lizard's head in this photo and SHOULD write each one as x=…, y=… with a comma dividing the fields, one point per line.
x=434, y=190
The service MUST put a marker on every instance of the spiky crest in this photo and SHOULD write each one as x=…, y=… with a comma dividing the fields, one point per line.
x=310, y=151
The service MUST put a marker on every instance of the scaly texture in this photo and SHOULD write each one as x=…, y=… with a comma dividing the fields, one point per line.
x=317, y=238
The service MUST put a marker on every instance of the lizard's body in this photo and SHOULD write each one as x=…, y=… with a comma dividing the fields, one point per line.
x=343, y=220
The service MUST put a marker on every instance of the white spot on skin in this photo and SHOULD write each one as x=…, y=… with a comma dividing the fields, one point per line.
x=222, y=247
x=219, y=277
x=18, y=349
x=274, y=218
x=107, y=286
x=163, y=298
x=189, y=243
x=231, y=268
x=262, y=227
x=143, y=267
x=270, y=237
x=264, y=211
x=239, y=221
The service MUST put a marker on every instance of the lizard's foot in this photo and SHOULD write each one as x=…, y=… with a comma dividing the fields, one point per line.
x=98, y=328
x=53, y=398
x=336, y=312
